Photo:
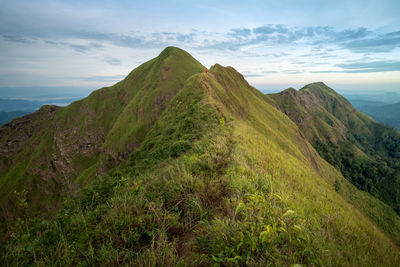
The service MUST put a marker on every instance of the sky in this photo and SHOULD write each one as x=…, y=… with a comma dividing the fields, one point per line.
x=349, y=45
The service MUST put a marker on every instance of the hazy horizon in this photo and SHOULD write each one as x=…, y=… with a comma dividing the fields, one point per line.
x=48, y=94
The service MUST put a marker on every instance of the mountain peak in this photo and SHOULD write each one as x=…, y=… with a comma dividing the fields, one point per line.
x=179, y=60
x=316, y=86
x=228, y=70
x=289, y=91
x=319, y=89
x=217, y=68
x=172, y=50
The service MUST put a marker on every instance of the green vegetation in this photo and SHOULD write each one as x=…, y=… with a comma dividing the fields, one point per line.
x=220, y=177
x=380, y=176
x=56, y=150
x=366, y=152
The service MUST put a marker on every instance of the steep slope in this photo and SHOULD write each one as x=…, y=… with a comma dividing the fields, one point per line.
x=366, y=152
x=54, y=149
x=222, y=177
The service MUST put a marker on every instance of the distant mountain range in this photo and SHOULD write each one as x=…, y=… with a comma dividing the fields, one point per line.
x=14, y=108
x=380, y=111
x=374, y=97
x=175, y=166
x=8, y=116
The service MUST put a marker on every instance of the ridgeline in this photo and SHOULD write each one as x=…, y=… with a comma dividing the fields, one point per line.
x=175, y=166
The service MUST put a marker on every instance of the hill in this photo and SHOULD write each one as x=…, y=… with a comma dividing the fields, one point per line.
x=366, y=152
x=201, y=170
x=54, y=149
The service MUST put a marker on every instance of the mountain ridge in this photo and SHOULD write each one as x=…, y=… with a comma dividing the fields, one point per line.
x=220, y=176
x=77, y=143
x=335, y=127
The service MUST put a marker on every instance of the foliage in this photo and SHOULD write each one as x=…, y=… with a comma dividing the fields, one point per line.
x=378, y=176
x=261, y=233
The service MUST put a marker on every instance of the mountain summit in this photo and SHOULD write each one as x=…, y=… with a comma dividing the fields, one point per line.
x=178, y=166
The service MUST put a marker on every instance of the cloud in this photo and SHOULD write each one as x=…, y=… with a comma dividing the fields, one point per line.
x=365, y=67
x=381, y=43
x=175, y=36
x=243, y=32
x=352, y=34
x=375, y=66
x=358, y=40
x=259, y=74
x=113, y=38
x=17, y=38
x=81, y=48
x=113, y=61
x=293, y=71
x=101, y=78
x=152, y=40
x=391, y=34
x=84, y=48
x=270, y=29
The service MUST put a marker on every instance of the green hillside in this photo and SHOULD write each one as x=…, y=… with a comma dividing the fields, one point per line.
x=44, y=154
x=366, y=152
x=195, y=169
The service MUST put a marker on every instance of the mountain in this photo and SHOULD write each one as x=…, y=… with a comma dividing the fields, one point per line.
x=357, y=103
x=8, y=105
x=366, y=152
x=175, y=166
x=14, y=108
x=376, y=96
x=382, y=112
x=55, y=148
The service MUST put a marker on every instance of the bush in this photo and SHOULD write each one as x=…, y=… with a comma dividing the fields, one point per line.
x=262, y=232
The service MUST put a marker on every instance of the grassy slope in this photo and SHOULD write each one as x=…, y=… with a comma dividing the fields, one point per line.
x=327, y=117
x=222, y=177
x=339, y=131
x=320, y=112
x=88, y=136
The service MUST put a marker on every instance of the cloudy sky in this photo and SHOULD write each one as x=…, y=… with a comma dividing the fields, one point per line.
x=349, y=45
